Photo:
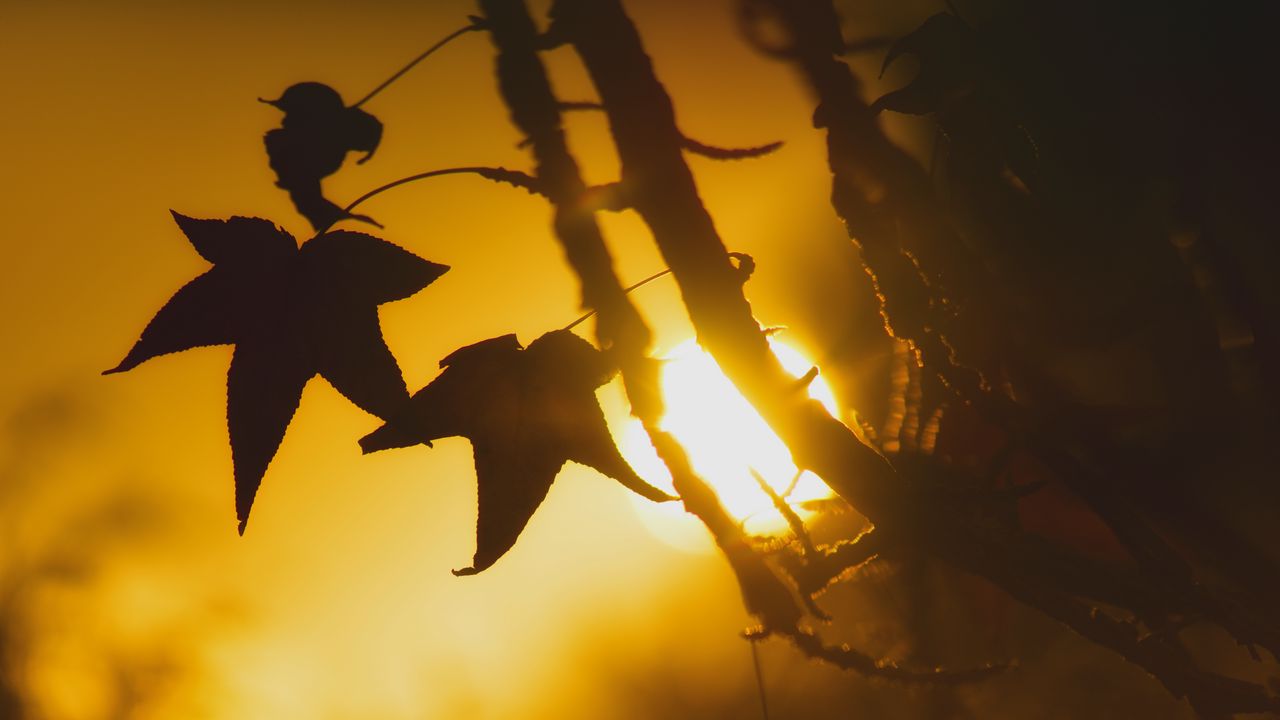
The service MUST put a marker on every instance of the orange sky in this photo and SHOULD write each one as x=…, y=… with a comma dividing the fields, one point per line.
x=339, y=603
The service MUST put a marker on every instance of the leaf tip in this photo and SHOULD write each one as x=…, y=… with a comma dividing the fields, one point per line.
x=465, y=572
x=368, y=444
x=125, y=365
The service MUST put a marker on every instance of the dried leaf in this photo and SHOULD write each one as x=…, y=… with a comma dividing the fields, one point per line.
x=317, y=132
x=526, y=413
x=292, y=313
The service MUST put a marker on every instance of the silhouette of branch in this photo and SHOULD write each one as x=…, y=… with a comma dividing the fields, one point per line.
x=598, y=197
x=527, y=92
x=663, y=193
x=515, y=178
x=535, y=111
x=847, y=658
x=814, y=571
x=693, y=146
x=721, y=153
x=523, y=82
x=765, y=595
x=755, y=664
x=610, y=196
x=1212, y=695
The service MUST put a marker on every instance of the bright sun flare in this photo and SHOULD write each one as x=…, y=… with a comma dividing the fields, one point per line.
x=726, y=439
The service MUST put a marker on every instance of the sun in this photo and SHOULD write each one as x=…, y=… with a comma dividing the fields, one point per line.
x=726, y=440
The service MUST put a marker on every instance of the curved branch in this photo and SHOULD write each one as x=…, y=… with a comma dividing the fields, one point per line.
x=516, y=178
x=427, y=53
x=713, y=152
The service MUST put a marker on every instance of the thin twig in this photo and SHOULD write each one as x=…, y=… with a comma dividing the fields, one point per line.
x=755, y=662
x=791, y=486
x=399, y=73
x=497, y=174
x=793, y=520
x=625, y=291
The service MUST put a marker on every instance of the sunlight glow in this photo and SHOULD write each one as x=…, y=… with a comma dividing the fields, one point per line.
x=726, y=439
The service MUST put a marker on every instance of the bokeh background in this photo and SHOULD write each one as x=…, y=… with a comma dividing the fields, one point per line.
x=124, y=589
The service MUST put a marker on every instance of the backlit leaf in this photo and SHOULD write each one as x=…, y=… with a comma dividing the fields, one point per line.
x=292, y=313
x=526, y=412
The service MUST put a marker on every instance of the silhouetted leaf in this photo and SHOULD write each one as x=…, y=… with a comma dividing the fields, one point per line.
x=292, y=313
x=949, y=59
x=526, y=413
x=312, y=142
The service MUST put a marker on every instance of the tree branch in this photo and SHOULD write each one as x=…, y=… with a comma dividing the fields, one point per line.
x=525, y=88
x=927, y=286
x=661, y=189
x=536, y=112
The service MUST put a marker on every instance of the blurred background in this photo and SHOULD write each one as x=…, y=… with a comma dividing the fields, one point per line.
x=124, y=589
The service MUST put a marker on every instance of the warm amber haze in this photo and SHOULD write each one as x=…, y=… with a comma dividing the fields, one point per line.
x=338, y=603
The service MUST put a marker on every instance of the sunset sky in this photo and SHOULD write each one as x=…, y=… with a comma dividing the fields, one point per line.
x=338, y=603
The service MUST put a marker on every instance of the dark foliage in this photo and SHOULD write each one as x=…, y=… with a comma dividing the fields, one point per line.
x=948, y=54
x=292, y=313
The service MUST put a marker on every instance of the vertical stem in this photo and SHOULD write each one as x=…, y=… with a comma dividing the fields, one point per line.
x=525, y=88
x=755, y=664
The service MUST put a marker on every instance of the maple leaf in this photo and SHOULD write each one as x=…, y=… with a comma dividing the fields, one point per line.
x=317, y=132
x=292, y=313
x=526, y=412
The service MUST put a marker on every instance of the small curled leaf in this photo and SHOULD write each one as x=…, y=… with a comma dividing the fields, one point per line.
x=317, y=132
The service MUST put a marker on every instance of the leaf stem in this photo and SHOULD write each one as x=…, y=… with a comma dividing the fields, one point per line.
x=399, y=73
x=625, y=291
x=473, y=169
x=755, y=662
